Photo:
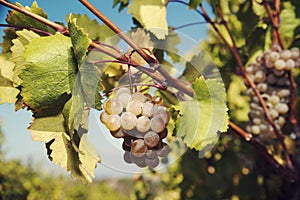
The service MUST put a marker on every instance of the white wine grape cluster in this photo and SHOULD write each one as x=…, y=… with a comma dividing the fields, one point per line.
x=270, y=75
x=141, y=121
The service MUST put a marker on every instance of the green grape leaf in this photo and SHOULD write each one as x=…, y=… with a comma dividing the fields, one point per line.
x=9, y=35
x=203, y=118
x=18, y=48
x=289, y=22
x=87, y=81
x=49, y=72
x=7, y=91
x=61, y=150
x=19, y=19
x=80, y=40
x=152, y=15
x=93, y=29
x=193, y=4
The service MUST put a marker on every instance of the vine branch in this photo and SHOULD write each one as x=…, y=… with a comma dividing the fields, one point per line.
x=162, y=77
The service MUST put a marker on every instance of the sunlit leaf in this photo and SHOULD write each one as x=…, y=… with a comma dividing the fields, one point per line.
x=152, y=15
x=49, y=72
x=205, y=117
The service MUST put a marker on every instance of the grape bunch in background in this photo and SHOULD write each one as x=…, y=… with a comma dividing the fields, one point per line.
x=141, y=121
x=270, y=74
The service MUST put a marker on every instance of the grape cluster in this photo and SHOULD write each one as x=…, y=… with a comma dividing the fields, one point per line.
x=270, y=74
x=141, y=121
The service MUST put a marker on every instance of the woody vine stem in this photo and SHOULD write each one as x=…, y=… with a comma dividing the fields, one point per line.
x=164, y=78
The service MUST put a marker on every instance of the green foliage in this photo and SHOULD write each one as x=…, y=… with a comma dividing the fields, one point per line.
x=49, y=71
x=205, y=117
x=7, y=92
x=19, y=19
x=151, y=14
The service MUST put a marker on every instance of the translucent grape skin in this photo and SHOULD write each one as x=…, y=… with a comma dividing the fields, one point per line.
x=147, y=109
x=128, y=121
x=138, y=148
x=143, y=124
x=151, y=139
x=113, y=122
x=157, y=124
x=113, y=106
x=134, y=107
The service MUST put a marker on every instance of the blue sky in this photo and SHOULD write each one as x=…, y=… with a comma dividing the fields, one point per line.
x=18, y=144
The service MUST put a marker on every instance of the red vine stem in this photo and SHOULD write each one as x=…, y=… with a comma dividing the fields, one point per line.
x=162, y=77
x=275, y=20
x=233, y=48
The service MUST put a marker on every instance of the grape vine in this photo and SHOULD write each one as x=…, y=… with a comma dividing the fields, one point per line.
x=149, y=95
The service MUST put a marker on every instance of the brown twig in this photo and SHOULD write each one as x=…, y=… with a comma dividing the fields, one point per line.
x=274, y=19
x=233, y=48
x=169, y=80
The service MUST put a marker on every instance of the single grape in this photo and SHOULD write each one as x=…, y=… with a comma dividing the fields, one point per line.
x=157, y=124
x=143, y=124
x=113, y=106
x=134, y=107
x=123, y=90
x=281, y=121
x=162, y=112
x=282, y=108
x=259, y=76
x=151, y=139
x=278, y=73
x=147, y=109
x=103, y=117
x=113, y=122
x=139, y=97
x=255, y=130
x=263, y=127
x=280, y=64
x=128, y=121
x=285, y=54
x=283, y=93
x=295, y=53
x=262, y=87
x=274, y=56
x=271, y=79
x=273, y=113
x=290, y=64
x=274, y=99
x=127, y=157
x=256, y=121
x=124, y=98
x=138, y=148
x=152, y=163
x=164, y=151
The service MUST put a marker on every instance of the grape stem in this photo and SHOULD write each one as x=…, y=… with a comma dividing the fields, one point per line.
x=22, y=27
x=162, y=76
x=233, y=48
